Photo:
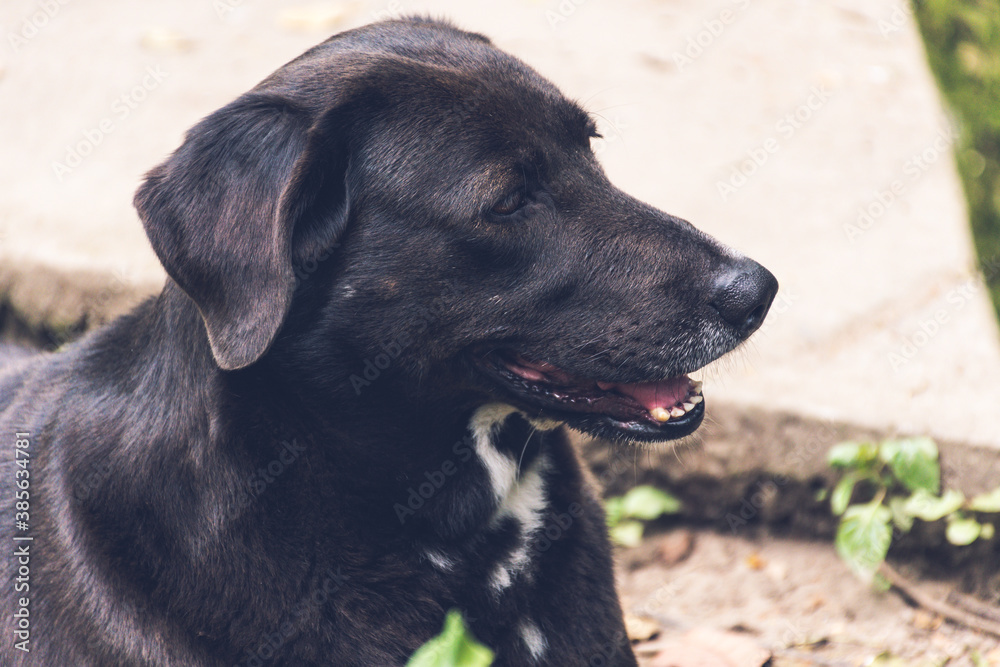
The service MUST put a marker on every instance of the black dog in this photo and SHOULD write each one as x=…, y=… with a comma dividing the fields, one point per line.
x=395, y=267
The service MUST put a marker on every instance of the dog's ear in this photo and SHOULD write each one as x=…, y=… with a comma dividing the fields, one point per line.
x=224, y=211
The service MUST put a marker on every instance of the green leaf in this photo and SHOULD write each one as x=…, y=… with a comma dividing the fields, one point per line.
x=851, y=454
x=454, y=647
x=648, y=502
x=863, y=537
x=886, y=659
x=841, y=495
x=880, y=583
x=840, y=498
x=613, y=510
x=627, y=533
x=987, y=532
x=888, y=449
x=914, y=462
x=901, y=518
x=962, y=531
x=928, y=507
x=986, y=502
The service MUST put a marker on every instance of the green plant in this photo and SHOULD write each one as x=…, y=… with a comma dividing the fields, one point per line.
x=902, y=479
x=454, y=647
x=642, y=503
x=963, y=48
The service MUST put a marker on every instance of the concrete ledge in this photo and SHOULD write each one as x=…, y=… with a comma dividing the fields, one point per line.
x=43, y=302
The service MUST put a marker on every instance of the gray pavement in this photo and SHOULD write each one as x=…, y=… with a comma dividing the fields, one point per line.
x=809, y=135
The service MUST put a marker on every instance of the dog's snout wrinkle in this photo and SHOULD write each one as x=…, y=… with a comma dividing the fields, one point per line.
x=744, y=295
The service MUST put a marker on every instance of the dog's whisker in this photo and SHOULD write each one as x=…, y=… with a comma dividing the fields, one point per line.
x=600, y=92
x=524, y=449
x=635, y=467
x=611, y=106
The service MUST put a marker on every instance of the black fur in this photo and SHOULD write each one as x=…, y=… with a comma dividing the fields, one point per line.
x=237, y=472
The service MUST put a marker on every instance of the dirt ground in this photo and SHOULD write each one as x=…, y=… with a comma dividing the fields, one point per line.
x=795, y=599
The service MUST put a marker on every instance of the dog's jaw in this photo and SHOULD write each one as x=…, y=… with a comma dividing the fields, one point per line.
x=653, y=411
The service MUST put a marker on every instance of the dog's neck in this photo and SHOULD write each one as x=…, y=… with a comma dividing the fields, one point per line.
x=482, y=457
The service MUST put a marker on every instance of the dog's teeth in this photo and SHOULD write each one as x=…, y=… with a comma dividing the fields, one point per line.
x=676, y=412
x=687, y=406
x=696, y=386
x=697, y=399
x=659, y=414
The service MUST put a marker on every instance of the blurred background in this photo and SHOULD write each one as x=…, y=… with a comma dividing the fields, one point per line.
x=851, y=146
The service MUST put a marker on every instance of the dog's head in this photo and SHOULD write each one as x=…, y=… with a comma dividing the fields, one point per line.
x=416, y=206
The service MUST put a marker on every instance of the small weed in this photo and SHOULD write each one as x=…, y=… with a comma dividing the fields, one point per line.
x=902, y=478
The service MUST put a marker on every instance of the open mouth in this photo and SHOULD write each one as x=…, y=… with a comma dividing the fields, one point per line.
x=648, y=411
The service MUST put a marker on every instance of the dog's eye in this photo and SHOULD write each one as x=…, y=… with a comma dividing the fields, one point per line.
x=510, y=204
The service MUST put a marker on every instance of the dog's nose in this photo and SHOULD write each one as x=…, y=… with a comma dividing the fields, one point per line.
x=744, y=295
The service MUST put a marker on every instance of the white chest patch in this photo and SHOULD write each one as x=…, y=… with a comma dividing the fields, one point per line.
x=439, y=560
x=520, y=497
x=502, y=469
x=533, y=639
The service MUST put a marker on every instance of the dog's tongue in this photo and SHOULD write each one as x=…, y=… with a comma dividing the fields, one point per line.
x=651, y=395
